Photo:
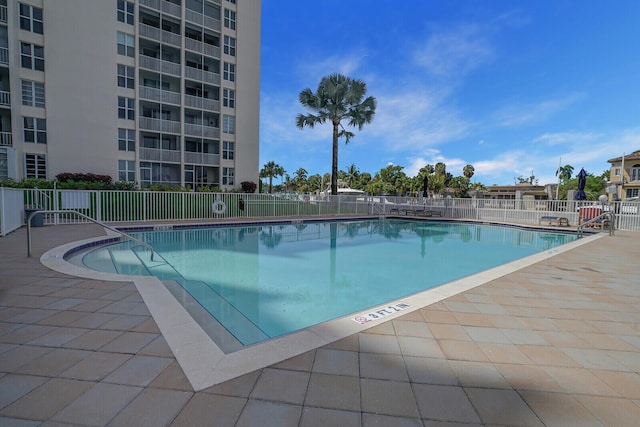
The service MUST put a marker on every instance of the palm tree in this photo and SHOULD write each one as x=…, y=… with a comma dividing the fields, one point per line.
x=270, y=170
x=564, y=173
x=338, y=98
x=352, y=174
x=468, y=171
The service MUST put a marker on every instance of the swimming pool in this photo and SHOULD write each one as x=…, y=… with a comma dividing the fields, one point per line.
x=266, y=280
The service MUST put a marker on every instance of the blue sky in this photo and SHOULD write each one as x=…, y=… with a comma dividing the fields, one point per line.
x=509, y=87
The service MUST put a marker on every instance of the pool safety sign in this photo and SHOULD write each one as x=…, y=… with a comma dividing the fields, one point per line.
x=379, y=313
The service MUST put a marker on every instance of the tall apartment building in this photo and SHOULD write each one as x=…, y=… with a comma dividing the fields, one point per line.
x=149, y=91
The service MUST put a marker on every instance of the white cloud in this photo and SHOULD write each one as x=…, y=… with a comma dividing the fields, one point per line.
x=456, y=51
x=526, y=114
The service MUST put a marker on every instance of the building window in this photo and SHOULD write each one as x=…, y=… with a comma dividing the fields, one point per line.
x=232, y=1
x=126, y=139
x=633, y=192
x=125, y=12
x=635, y=173
x=35, y=166
x=227, y=176
x=229, y=72
x=33, y=94
x=126, y=44
x=126, y=76
x=229, y=98
x=31, y=18
x=229, y=45
x=229, y=19
x=616, y=171
x=126, y=108
x=32, y=56
x=126, y=171
x=228, y=124
x=228, y=150
x=35, y=130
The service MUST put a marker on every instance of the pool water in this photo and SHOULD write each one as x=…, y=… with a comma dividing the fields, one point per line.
x=264, y=281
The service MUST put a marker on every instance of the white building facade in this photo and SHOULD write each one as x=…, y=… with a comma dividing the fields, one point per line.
x=146, y=91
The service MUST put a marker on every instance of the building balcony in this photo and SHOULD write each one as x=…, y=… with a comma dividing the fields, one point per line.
x=158, y=95
x=4, y=55
x=202, y=76
x=157, y=155
x=202, y=20
x=5, y=98
x=163, y=5
x=6, y=139
x=171, y=9
x=197, y=46
x=192, y=129
x=156, y=64
x=158, y=35
x=202, y=158
x=201, y=103
x=158, y=125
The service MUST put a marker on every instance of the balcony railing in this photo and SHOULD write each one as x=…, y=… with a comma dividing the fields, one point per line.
x=6, y=139
x=154, y=4
x=199, y=130
x=171, y=9
x=202, y=20
x=171, y=38
x=164, y=96
x=149, y=32
x=5, y=98
x=156, y=64
x=201, y=75
x=159, y=125
x=201, y=103
x=166, y=6
x=202, y=158
x=200, y=47
x=157, y=155
x=4, y=55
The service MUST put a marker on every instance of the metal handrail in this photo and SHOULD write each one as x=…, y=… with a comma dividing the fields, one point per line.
x=71, y=211
x=608, y=215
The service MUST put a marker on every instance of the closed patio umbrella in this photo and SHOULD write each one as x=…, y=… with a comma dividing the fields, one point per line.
x=582, y=182
x=425, y=187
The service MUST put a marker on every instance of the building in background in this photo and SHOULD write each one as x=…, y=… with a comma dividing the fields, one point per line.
x=149, y=91
x=624, y=177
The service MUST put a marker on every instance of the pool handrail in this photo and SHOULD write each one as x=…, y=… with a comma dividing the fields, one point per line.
x=80, y=214
x=609, y=216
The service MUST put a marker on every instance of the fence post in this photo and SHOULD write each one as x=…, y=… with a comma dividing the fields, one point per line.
x=98, y=195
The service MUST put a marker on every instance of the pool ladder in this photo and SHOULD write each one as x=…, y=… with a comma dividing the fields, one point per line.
x=95, y=221
x=606, y=219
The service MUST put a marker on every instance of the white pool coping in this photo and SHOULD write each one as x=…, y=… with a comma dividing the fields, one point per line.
x=205, y=364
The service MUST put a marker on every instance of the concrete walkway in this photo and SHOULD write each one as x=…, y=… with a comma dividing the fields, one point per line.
x=553, y=344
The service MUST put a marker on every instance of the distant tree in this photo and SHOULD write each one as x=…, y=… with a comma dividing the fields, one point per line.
x=270, y=170
x=351, y=175
x=468, y=171
x=564, y=173
x=337, y=98
x=301, y=173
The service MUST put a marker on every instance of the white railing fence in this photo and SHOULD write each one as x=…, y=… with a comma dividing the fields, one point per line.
x=11, y=209
x=143, y=206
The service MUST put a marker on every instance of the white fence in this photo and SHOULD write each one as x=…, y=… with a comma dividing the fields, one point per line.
x=11, y=210
x=144, y=206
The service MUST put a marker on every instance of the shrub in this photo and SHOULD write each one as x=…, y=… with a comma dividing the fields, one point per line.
x=248, y=186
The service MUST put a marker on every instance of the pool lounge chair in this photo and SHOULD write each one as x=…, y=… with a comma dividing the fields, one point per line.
x=558, y=221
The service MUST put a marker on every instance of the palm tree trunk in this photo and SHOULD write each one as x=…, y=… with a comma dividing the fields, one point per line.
x=270, y=180
x=334, y=162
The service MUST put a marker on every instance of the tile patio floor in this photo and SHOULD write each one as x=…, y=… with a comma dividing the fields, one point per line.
x=554, y=344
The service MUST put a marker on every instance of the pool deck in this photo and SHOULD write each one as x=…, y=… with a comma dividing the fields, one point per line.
x=554, y=343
